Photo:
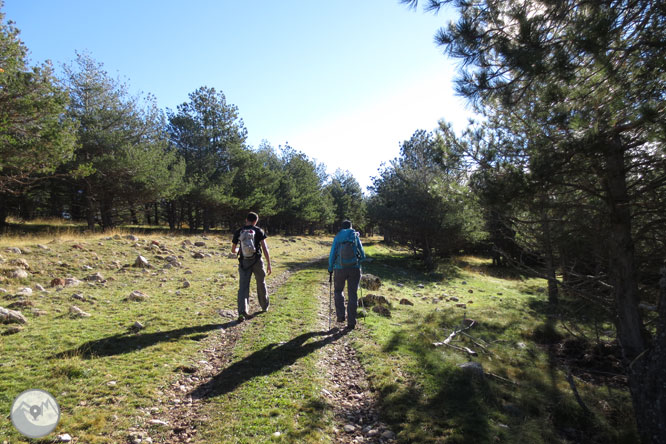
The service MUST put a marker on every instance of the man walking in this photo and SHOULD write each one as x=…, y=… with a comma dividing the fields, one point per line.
x=252, y=242
x=345, y=258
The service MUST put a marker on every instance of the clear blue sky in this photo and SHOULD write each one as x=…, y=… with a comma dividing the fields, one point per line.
x=344, y=81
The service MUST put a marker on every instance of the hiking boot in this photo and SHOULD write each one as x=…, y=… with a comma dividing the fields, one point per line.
x=242, y=317
x=351, y=326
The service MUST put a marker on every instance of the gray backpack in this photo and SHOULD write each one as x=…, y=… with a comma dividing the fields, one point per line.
x=247, y=246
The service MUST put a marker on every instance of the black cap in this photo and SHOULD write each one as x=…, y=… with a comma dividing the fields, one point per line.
x=346, y=224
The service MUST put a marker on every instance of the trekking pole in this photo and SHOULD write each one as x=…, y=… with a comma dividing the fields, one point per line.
x=360, y=286
x=330, y=296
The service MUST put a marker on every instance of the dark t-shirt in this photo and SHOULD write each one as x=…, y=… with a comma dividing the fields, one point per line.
x=259, y=235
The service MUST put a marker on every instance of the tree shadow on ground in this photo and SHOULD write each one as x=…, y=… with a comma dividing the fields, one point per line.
x=486, y=268
x=263, y=362
x=407, y=269
x=127, y=342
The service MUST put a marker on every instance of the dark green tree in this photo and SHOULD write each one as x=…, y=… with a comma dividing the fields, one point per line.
x=422, y=199
x=347, y=199
x=210, y=136
x=123, y=156
x=591, y=77
x=35, y=135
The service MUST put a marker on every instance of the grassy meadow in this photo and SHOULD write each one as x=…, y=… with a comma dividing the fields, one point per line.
x=107, y=376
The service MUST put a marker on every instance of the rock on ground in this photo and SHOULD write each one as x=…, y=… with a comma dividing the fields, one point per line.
x=18, y=273
x=382, y=310
x=373, y=299
x=10, y=316
x=78, y=313
x=20, y=263
x=137, y=296
x=472, y=368
x=141, y=262
x=370, y=282
x=405, y=301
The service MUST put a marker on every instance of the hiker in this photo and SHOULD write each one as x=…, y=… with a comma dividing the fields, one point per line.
x=250, y=262
x=345, y=258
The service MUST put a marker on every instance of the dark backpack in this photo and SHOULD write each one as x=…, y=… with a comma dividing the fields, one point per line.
x=347, y=253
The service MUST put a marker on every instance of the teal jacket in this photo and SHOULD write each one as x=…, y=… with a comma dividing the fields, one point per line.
x=343, y=236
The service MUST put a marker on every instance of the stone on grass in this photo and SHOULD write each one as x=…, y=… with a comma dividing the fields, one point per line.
x=132, y=237
x=198, y=255
x=20, y=263
x=137, y=326
x=38, y=287
x=370, y=282
x=12, y=330
x=25, y=291
x=18, y=273
x=349, y=428
x=388, y=434
x=405, y=301
x=382, y=310
x=76, y=312
x=373, y=299
x=137, y=296
x=14, y=250
x=97, y=277
x=141, y=262
x=200, y=244
x=186, y=284
x=42, y=247
x=11, y=317
x=21, y=304
x=65, y=437
x=472, y=368
x=72, y=282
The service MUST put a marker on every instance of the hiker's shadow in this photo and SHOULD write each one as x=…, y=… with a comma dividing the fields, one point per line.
x=128, y=342
x=268, y=360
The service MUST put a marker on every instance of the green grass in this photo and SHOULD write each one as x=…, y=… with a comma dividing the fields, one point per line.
x=76, y=359
x=426, y=397
x=273, y=384
x=274, y=381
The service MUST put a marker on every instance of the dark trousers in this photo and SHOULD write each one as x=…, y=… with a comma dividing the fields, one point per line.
x=352, y=277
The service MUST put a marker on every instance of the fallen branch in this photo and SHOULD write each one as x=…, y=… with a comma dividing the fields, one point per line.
x=572, y=383
x=455, y=347
x=462, y=349
x=475, y=342
x=501, y=378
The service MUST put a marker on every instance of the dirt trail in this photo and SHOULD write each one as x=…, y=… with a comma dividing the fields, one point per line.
x=178, y=409
x=348, y=390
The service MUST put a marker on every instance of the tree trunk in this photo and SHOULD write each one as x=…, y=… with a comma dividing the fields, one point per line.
x=133, y=216
x=645, y=366
x=157, y=213
x=106, y=208
x=550, y=261
x=146, y=213
x=4, y=212
x=171, y=214
x=206, y=220
x=91, y=209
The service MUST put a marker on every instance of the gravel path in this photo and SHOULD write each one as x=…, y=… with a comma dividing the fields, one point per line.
x=348, y=390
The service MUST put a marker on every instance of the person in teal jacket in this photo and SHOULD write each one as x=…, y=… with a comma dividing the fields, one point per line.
x=345, y=259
